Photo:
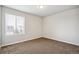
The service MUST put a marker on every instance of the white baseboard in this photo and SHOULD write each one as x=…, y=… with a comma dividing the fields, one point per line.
x=53, y=38
x=20, y=41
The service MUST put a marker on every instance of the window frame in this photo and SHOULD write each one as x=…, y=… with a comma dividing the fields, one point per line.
x=15, y=33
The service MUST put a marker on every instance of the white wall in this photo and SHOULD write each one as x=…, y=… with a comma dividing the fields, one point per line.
x=63, y=26
x=0, y=25
x=33, y=28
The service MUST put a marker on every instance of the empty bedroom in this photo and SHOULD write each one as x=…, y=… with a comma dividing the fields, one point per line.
x=39, y=29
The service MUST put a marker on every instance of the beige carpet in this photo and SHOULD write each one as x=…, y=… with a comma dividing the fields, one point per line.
x=41, y=46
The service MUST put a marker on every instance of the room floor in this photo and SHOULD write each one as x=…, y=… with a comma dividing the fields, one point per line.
x=41, y=46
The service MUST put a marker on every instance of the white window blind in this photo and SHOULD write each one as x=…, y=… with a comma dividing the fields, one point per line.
x=9, y=24
x=14, y=24
x=20, y=24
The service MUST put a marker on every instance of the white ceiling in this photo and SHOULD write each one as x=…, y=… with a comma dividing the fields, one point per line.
x=47, y=10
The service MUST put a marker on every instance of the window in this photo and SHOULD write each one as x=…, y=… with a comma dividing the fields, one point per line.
x=14, y=24
x=9, y=24
x=20, y=24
